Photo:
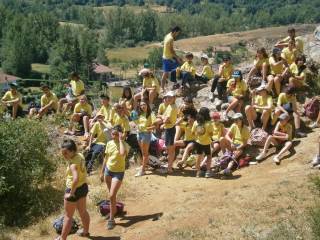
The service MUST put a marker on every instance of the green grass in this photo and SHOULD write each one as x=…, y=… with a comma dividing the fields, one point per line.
x=40, y=68
x=129, y=54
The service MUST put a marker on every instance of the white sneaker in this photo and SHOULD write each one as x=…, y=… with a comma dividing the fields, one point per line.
x=217, y=102
x=276, y=159
x=315, y=161
x=314, y=125
x=261, y=156
x=224, y=116
x=140, y=173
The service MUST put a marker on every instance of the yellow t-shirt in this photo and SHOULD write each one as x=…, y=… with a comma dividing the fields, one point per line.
x=168, y=40
x=162, y=108
x=276, y=69
x=239, y=136
x=77, y=87
x=97, y=131
x=299, y=43
x=171, y=112
x=143, y=122
x=122, y=121
x=217, y=132
x=45, y=100
x=286, y=129
x=203, y=133
x=295, y=71
x=9, y=96
x=79, y=161
x=115, y=162
x=240, y=89
x=289, y=56
x=207, y=71
x=106, y=111
x=86, y=107
x=263, y=102
x=187, y=129
x=283, y=99
x=227, y=72
x=188, y=67
x=259, y=62
x=151, y=82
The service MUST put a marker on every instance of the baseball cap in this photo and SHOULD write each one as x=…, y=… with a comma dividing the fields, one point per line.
x=170, y=94
x=284, y=116
x=144, y=71
x=205, y=56
x=237, y=116
x=13, y=84
x=236, y=74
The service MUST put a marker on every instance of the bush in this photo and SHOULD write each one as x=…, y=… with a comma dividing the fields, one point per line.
x=26, y=168
x=315, y=211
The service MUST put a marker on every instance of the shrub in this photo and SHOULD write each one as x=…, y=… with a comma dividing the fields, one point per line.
x=26, y=169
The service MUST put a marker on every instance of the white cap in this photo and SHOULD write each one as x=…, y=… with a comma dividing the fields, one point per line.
x=170, y=94
x=237, y=116
x=144, y=71
x=261, y=87
x=204, y=56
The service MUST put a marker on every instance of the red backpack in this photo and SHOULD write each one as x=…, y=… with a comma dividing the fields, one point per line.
x=311, y=108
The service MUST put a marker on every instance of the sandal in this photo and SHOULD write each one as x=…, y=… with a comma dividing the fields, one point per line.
x=80, y=233
x=111, y=224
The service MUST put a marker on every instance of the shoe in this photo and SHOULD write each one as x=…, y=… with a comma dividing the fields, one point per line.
x=261, y=156
x=314, y=125
x=198, y=174
x=224, y=116
x=80, y=233
x=227, y=172
x=111, y=224
x=140, y=173
x=315, y=161
x=208, y=174
x=212, y=97
x=276, y=160
x=300, y=134
x=217, y=102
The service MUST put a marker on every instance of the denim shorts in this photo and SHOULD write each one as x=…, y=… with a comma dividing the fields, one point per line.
x=169, y=65
x=144, y=137
x=169, y=136
x=116, y=175
x=80, y=192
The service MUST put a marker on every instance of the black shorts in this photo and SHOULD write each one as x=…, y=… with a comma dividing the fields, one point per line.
x=19, y=111
x=186, y=143
x=80, y=192
x=200, y=149
x=169, y=136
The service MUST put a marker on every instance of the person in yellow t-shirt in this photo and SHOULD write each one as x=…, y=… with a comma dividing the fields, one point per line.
x=170, y=59
x=287, y=103
x=207, y=73
x=97, y=141
x=150, y=87
x=187, y=142
x=218, y=132
x=298, y=72
x=105, y=110
x=290, y=53
x=76, y=189
x=75, y=89
x=12, y=101
x=260, y=108
x=81, y=114
x=203, y=129
x=220, y=81
x=235, y=140
x=187, y=71
x=113, y=169
x=279, y=71
x=237, y=90
x=49, y=103
x=281, y=136
x=291, y=35
x=120, y=118
x=127, y=100
x=260, y=65
x=145, y=126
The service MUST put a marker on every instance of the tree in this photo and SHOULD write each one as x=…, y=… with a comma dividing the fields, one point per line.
x=155, y=57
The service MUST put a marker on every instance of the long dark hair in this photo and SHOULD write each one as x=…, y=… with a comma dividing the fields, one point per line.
x=70, y=145
x=203, y=115
x=303, y=67
x=263, y=52
x=124, y=93
x=148, y=113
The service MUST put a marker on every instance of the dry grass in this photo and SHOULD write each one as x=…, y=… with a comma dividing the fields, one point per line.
x=40, y=68
x=129, y=54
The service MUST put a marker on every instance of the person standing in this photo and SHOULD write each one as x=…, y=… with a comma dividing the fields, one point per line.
x=170, y=60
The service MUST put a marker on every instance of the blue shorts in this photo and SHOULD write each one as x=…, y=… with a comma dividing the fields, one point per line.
x=144, y=137
x=116, y=175
x=169, y=136
x=169, y=65
x=230, y=99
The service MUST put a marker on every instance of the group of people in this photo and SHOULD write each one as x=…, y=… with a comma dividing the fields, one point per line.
x=132, y=122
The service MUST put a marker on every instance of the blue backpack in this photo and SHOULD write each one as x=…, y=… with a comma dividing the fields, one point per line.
x=58, y=224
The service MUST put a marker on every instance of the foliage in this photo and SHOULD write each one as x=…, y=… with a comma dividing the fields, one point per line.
x=155, y=57
x=26, y=167
x=315, y=211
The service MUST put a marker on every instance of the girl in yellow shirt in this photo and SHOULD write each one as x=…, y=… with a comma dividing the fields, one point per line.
x=218, y=132
x=76, y=189
x=298, y=72
x=206, y=73
x=127, y=100
x=260, y=65
x=145, y=126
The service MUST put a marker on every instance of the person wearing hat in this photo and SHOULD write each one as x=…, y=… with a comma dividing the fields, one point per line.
x=206, y=74
x=150, y=88
x=97, y=141
x=236, y=90
x=281, y=137
x=235, y=140
x=287, y=103
x=260, y=108
x=298, y=72
x=279, y=71
x=260, y=65
x=220, y=81
x=12, y=101
x=187, y=71
x=49, y=103
x=291, y=35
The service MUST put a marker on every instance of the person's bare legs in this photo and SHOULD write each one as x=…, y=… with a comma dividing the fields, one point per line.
x=164, y=78
x=86, y=125
x=15, y=106
x=251, y=115
x=171, y=155
x=239, y=106
x=277, y=84
x=186, y=153
x=264, y=71
x=84, y=215
x=114, y=188
x=152, y=96
x=232, y=105
x=60, y=105
x=32, y=112
x=296, y=118
x=198, y=161
x=265, y=118
x=270, y=140
x=145, y=154
x=225, y=144
x=69, y=208
x=276, y=116
x=286, y=147
x=270, y=80
x=215, y=148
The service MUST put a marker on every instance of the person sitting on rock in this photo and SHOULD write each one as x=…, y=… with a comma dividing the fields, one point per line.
x=217, y=133
x=49, y=103
x=287, y=103
x=187, y=71
x=206, y=74
x=281, y=137
x=290, y=53
x=298, y=72
x=260, y=65
x=279, y=71
x=236, y=90
x=12, y=101
x=127, y=100
x=105, y=109
x=220, y=81
x=291, y=36
x=260, y=108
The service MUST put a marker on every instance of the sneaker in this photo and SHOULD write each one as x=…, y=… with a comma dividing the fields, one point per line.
x=198, y=174
x=314, y=125
x=224, y=116
x=276, y=160
x=315, y=161
x=208, y=174
x=212, y=97
x=140, y=173
x=217, y=102
x=111, y=224
x=261, y=156
x=227, y=172
x=300, y=134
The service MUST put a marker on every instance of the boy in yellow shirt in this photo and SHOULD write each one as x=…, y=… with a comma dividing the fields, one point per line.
x=206, y=73
x=290, y=53
x=291, y=35
x=12, y=101
x=187, y=71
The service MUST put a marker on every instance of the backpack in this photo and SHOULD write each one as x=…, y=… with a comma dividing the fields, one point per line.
x=311, y=108
x=223, y=162
x=58, y=224
x=258, y=137
x=104, y=207
x=244, y=162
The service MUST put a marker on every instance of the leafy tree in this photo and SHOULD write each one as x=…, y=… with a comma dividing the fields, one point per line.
x=155, y=57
